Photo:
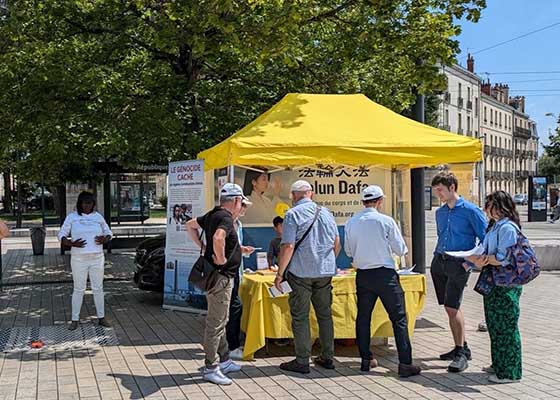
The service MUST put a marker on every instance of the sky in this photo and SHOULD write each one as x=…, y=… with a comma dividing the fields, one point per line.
x=503, y=20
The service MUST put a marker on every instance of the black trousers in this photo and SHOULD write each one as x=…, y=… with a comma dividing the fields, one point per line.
x=233, y=327
x=381, y=283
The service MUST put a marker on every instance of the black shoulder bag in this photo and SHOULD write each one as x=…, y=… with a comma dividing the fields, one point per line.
x=204, y=274
x=303, y=237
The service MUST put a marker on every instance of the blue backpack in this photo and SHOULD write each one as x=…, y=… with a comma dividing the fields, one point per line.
x=523, y=268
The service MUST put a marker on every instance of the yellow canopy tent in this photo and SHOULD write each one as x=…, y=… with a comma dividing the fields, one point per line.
x=309, y=129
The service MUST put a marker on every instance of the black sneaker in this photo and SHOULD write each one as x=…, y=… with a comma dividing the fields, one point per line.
x=449, y=356
x=294, y=366
x=406, y=370
x=459, y=363
x=325, y=363
x=103, y=322
x=366, y=365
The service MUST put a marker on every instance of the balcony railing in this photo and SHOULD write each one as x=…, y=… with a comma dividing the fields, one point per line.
x=447, y=97
x=469, y=104
x=445, y=127
x=460, y=131
x=460, y=102
x=522, y=132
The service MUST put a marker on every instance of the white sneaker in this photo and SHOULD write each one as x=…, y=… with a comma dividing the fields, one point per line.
x=495, y=379
x=236, y=354
x=215, y=375
x=229, y=366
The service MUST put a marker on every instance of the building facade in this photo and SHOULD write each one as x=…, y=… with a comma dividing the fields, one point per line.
x=460, y=105
x=526, y=145
x=460, y=112
x=497, y=135
x=475, y=108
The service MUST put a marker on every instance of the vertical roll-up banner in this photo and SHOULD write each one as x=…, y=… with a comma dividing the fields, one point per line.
x=185, y=194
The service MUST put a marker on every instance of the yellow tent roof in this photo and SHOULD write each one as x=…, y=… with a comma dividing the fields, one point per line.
x=308, y=129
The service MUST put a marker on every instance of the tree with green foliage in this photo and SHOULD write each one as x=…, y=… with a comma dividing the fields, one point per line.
x=148, y=81
x=549, y=162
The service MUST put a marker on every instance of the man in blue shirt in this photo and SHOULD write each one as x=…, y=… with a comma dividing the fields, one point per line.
x=459, y=224
x=310, y=268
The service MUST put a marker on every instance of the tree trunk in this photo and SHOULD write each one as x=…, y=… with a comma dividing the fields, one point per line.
x=19, y=206
x=7, y=192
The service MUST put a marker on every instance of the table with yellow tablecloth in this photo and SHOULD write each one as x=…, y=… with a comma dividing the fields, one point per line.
x=268, y=317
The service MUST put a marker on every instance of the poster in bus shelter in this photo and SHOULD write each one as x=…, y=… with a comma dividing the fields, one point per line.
x=185, y=193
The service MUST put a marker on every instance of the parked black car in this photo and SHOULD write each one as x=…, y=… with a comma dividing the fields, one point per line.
x=150, y=261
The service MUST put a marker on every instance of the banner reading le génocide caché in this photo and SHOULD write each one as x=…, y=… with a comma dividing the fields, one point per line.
x=185, y=193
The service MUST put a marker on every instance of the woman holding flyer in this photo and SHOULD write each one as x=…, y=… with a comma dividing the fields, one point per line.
x=501, y=305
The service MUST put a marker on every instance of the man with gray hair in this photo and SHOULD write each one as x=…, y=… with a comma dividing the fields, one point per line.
x=223, y=251
x=309, y=247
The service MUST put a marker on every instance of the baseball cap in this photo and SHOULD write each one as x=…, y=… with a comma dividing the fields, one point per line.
x=301, y=186
x=233, y=190
x=372, y=192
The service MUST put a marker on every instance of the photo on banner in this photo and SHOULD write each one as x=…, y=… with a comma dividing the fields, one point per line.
x=185, y=201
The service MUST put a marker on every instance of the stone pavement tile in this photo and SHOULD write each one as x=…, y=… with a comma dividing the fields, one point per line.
x=197, y=397
x=173, y=394
x=71, y=388
x=88, y=391
x=339, y=391
x=26, y=392
x=276, y=391
x=302, y=394
x=47, y=395
x=367, y=395
x=261, y=396
x=111, y=395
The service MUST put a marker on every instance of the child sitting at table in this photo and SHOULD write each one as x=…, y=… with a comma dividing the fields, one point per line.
x=274, y=247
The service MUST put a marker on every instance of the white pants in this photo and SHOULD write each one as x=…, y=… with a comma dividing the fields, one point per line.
x=91, y=264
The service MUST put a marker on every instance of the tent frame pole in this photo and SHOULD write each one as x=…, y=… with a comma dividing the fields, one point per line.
x=418, y=217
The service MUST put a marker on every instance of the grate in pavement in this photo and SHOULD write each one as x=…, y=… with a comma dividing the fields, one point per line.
x=57, y=337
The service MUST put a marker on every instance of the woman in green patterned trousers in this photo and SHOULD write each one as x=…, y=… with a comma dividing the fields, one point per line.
x=501, y=306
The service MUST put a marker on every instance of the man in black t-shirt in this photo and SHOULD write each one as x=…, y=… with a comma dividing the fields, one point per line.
x=223, y=251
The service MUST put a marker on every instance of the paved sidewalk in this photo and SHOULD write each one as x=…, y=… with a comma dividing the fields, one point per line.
x=21, y=267
x=160, y=356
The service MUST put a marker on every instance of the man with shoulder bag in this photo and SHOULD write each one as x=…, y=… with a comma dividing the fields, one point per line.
x=309, y=246
x=224, y=253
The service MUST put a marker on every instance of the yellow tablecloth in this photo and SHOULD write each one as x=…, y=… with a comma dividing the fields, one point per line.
x=268, y=317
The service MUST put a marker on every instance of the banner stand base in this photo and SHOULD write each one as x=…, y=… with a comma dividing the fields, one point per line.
x=191, y=310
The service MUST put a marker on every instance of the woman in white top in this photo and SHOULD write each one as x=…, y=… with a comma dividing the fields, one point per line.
x=88, y=232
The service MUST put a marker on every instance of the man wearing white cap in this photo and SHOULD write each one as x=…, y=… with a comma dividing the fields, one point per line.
x=371, y=239
x=308, y=251
x=224, y=252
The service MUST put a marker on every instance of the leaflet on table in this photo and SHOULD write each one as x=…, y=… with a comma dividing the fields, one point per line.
x=476, y=251
x=407, y=271
x=285, y=286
